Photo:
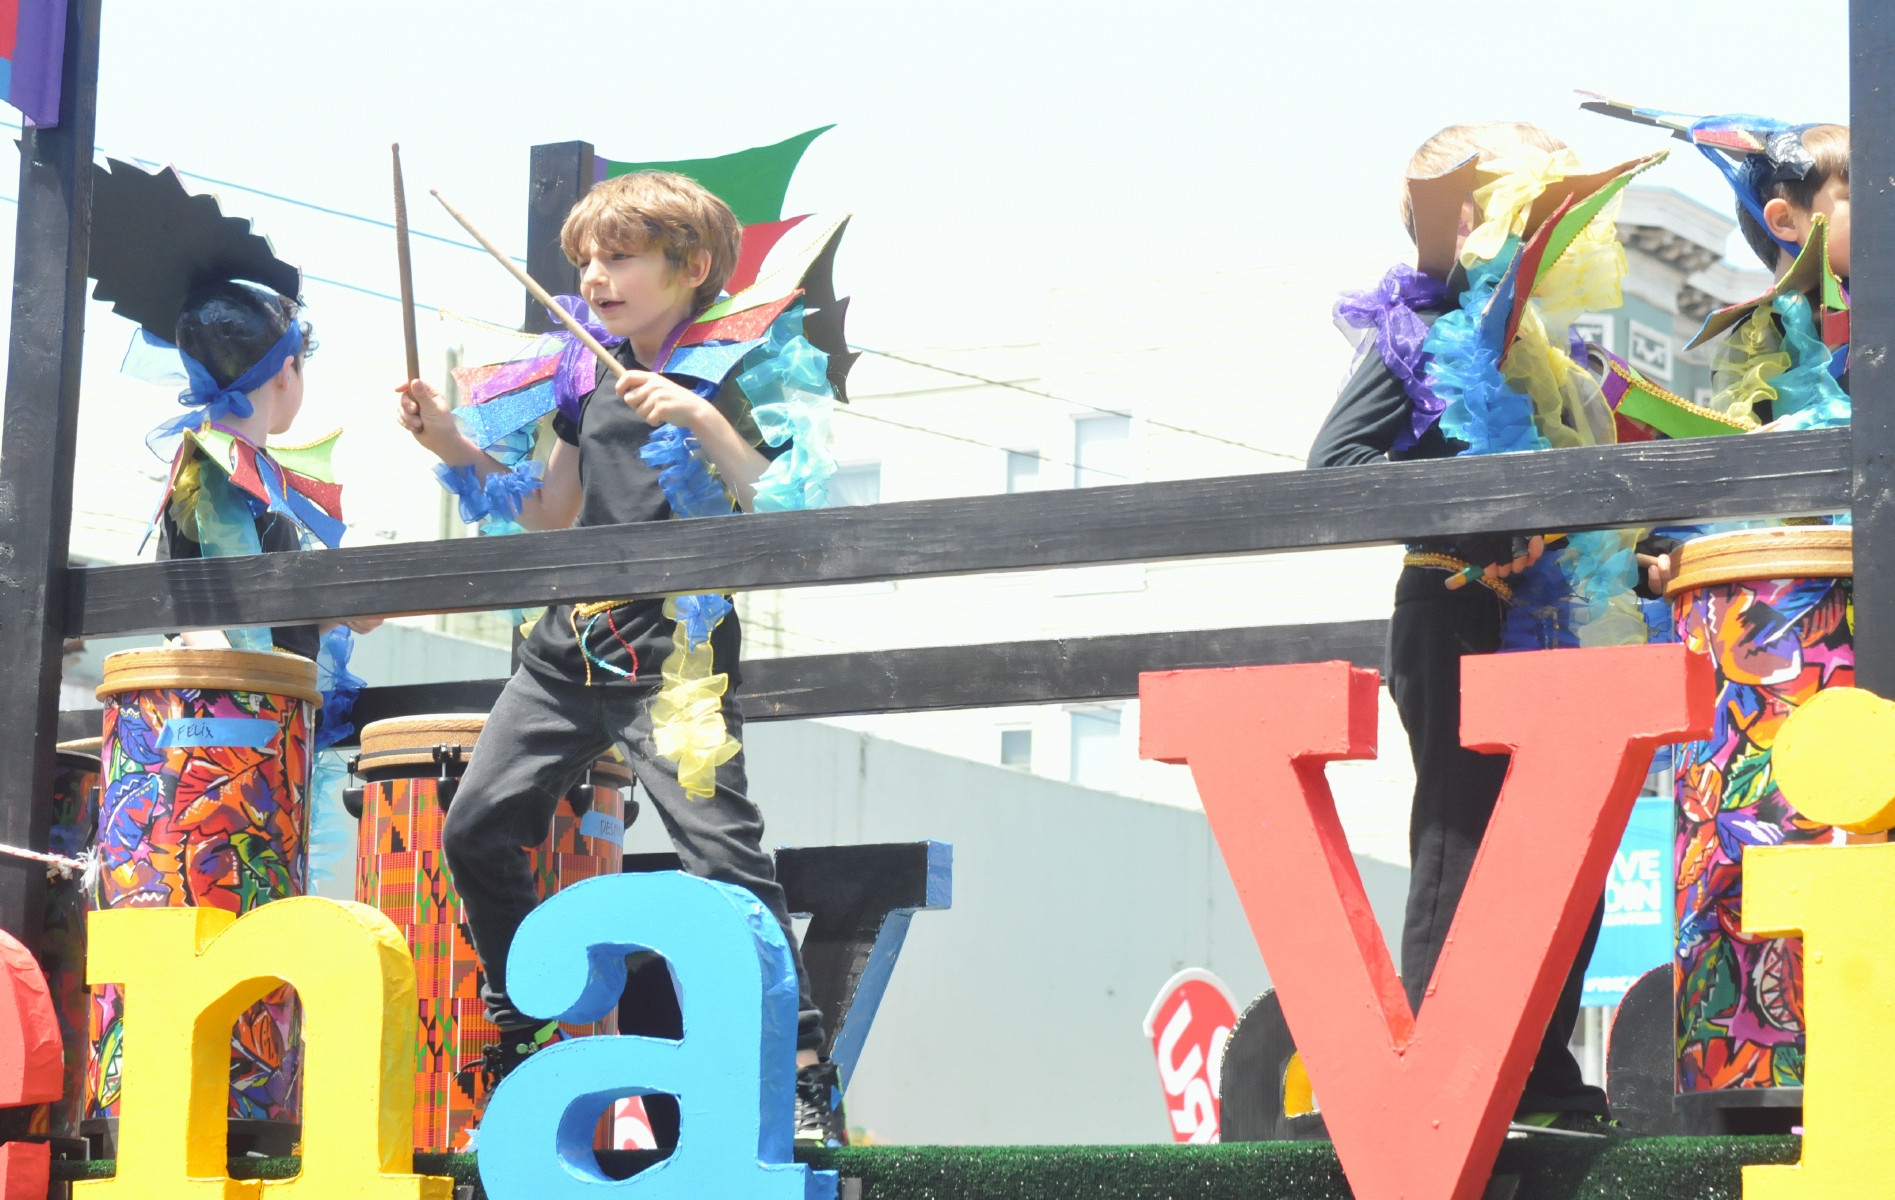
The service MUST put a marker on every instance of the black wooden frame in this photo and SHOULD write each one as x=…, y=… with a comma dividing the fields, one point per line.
x=1721, y=478
x=1642, y=484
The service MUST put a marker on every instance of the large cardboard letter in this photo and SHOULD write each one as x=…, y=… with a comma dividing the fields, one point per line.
x=1418, y=1108
x=1838, y=898
x=1832, y=759
x=32, y=1070
x=188, y=973
x=734, y=1073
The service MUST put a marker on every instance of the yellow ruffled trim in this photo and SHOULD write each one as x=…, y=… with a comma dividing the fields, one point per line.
x=687, y=715
x=1743, y=364
x=1516, y=182
x=184, y=492
x=1568, y=406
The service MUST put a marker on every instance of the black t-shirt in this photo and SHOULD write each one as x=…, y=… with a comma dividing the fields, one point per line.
x=276, y=533
x=1371, y=413
x=619, y=488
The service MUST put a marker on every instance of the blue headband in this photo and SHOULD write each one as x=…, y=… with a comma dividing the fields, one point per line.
x=1784, y=157
x=216, y=401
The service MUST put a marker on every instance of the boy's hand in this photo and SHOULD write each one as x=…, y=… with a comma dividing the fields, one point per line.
x=1526, y=552
x=1660, y=570
x=421, y=411
x=658, y=401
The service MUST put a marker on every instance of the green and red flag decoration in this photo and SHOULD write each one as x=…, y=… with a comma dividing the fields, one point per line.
x=32, y=54
x=754, y=183
x=502, y=402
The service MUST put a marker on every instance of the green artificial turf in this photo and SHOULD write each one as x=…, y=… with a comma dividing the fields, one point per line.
x=1639, y=1169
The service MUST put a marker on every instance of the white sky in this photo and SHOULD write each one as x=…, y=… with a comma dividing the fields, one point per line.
x=990, y=152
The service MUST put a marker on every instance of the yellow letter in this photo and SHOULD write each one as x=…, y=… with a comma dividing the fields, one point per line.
x=188, y=973
x=1837, y=897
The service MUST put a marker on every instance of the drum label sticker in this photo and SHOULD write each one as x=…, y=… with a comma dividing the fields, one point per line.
x=603, y=826
x=251, y=733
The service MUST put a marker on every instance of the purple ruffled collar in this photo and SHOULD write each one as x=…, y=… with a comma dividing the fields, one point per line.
x=1389, y=309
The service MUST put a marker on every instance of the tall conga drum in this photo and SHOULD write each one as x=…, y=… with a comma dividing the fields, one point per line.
x=206, y=759
x=62, y=945
x=410, y=768
x=1772, y=608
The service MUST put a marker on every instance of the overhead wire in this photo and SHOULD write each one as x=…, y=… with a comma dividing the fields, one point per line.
x=321, y=208
x=496, y=327
x=1113, y=412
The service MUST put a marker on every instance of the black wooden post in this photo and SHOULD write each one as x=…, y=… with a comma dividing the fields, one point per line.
x=1872, y=335
x=36, y=458
x=562, y=173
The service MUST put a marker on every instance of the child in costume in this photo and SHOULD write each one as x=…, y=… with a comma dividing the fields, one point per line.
x=217, y=313
x=725, y=407
x=1784, y=363
x=1472, y=353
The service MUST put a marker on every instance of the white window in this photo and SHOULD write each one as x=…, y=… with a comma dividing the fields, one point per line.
x=1650, y=351
x=1023, y=470
x=1704, y=395
x=858, y=484
x=1596, y=328
x=1016, y=748
x=1095, y=759
x=1102, y=450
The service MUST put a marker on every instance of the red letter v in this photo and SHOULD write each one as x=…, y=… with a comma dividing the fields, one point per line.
x=1418, y=1108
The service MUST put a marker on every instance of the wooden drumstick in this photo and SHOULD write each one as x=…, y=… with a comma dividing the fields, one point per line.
x=619, y=370
x=407, y=269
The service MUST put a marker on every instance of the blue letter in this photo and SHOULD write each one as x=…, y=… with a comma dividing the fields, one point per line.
x=734, y=1074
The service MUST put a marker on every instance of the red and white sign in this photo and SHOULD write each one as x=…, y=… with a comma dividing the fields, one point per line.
x=1189, y=1025
x=631, y=1128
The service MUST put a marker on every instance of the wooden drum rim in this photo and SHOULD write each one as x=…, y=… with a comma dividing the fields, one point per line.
x=1791, y=552
x=212, y=670
x=403, y=748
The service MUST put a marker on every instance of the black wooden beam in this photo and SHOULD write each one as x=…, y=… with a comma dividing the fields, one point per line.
x=997, y=675
x=561, y=172
x=54, y=235
x=1872, y=334
x=1059, y=671
x=1759, y=475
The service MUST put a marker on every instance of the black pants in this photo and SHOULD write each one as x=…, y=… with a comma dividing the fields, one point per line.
x=1455, y=792
x=543, y=733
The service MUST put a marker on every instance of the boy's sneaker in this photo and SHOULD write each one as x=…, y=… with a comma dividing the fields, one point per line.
x=819, y=1117
x=477, y=1080
x=1568, y=1124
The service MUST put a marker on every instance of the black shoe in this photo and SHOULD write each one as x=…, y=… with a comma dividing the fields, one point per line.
x=1569, y=1125
x=819, y=1117
x=498, y=1060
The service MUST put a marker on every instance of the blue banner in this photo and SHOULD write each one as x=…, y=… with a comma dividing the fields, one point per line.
x=1637, y=934
x=251, y=733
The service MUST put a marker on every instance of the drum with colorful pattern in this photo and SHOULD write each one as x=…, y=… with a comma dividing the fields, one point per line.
x=410, y=767
x=206, y=778
x=1772, y=608
x=62, y=944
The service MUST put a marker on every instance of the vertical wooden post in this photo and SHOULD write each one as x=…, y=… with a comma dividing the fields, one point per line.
x=36, y=458
x=1872, y=330
x=562, y=173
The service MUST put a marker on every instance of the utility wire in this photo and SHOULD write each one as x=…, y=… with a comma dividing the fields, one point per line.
x=955, y=437
x=1001, y=383
x=334, y=212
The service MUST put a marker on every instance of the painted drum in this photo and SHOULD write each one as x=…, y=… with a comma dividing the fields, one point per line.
x=62, y=943
x=410, y=768
x=206, y=759
x=1772, y=608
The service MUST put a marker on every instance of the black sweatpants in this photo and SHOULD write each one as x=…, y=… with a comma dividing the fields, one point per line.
x=542, y=735
x=1455, y=793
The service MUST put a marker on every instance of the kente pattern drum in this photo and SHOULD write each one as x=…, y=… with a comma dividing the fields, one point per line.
x=405, y=766
x=1772, y=608
x=62, y=947
x=206, y=758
